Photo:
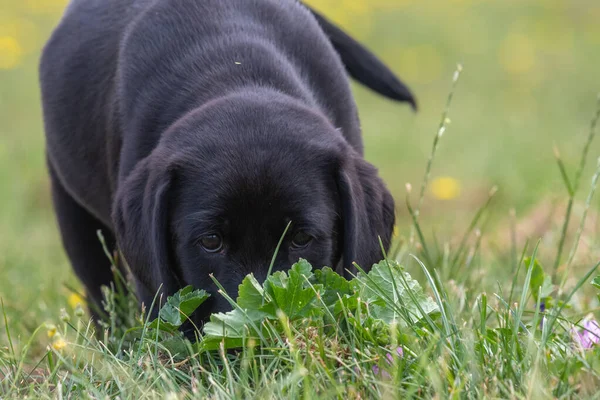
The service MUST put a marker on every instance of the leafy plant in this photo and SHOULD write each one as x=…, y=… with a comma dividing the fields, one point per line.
x=178, y=309
x=371, y=302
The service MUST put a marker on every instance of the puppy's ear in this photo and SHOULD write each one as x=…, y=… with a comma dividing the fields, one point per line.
x=141, y=220
x=367, y=214
x=364, y=66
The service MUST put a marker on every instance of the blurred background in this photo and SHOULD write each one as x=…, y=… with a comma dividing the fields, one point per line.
x=530, y=79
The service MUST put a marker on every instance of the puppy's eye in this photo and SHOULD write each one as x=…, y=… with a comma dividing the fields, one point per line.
x=211, y=243
x=301, y=239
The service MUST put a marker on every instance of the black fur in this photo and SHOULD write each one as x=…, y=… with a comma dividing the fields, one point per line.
x=170, y=120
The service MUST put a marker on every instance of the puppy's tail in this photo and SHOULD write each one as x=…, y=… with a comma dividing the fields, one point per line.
x=364, y=66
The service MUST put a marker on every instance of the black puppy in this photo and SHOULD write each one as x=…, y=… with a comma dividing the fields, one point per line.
x=191, y=132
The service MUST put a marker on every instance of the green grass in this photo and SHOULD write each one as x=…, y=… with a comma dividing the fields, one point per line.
x=529, y=84
x=335, y=340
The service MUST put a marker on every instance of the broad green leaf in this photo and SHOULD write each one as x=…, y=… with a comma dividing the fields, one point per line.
x=291, y=293
x=230, y=324
x=170, y=315
x=388, y=283
x=334, y=285
x=250, y=294
x=236, y=325
x=539, y=280
x=232, y=327
x=189, y=300
x=163, y=326
x=178, y=308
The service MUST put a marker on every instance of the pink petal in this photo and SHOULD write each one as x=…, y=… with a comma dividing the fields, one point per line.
x=588, y=335
x=399, y=352
x=592, y=330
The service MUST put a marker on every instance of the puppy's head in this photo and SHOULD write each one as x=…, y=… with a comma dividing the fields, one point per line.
x=216, y=195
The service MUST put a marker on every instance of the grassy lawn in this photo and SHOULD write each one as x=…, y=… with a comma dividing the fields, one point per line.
x=529, y=85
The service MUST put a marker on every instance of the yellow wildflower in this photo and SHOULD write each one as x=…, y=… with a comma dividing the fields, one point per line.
x=51, y=330
x=74, y=300
x=59, y=344
x=445, y=188
x=10, y=52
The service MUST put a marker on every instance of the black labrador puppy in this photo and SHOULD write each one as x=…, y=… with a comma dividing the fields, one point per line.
x=192, y=132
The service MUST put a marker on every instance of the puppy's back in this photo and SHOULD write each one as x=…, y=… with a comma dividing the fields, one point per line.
x=77, y=75
x=116, y=73
x=202, y=49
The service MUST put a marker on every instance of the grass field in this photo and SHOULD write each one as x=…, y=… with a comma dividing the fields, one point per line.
x=529, y=84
